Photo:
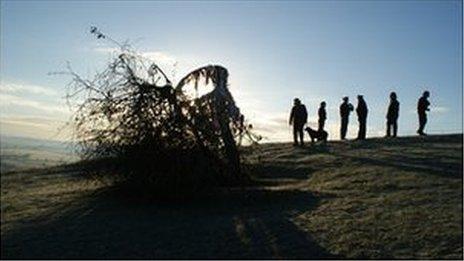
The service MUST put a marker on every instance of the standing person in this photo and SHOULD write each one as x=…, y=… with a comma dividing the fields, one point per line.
x=423, y=106
x=345, y=109
x=361, y=110
x=392, y=115
x=298, y=117
x=322, y=116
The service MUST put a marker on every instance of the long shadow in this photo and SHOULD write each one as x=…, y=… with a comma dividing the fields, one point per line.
x=278, y=171
x=410, y=141
x=449, y=166
x=237, y=224
x=431, y=166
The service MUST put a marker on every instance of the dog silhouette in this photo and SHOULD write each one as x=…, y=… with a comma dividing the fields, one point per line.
x=317, y=135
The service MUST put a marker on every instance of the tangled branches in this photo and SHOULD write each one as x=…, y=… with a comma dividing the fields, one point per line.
x=144, y=130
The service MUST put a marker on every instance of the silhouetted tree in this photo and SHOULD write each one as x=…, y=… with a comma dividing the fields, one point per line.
x=141, y=128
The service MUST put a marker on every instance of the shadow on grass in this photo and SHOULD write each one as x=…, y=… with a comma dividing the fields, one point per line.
x=236, y=224
x=426, y=166
x=280, y=172
x=319, y=148
x=411, y=141
x=449, y=166
x=439, y=160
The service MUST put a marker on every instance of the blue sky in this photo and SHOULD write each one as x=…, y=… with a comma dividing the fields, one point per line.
x=274, y=51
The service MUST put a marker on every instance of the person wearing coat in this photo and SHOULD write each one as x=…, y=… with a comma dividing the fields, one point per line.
x=362, y=110
x=298, y=118
x=392, y=115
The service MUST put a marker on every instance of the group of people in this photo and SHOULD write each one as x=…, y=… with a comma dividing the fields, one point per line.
x=299, y=116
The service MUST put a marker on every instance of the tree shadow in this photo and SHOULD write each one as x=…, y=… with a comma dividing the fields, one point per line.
x=281, y=172
x=250, y=223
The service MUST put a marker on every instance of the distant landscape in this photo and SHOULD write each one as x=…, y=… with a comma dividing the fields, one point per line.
x=380, y=198
x=19, y=153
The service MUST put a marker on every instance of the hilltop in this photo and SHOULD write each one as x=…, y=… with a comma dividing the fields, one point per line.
x=379, y=198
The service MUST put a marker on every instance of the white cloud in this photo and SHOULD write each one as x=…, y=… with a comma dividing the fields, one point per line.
x=175, y=66
x=160, y=57
x=433, y=109
x=35, y=127
x=8, y=102
x=31, y=110
x=439, y=109
x=27, y=89
x=40, y=122
x=157, y=56
x=106, y=50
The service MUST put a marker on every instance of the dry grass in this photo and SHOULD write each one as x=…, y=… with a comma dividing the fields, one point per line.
x=36, y=193
x=398, y=198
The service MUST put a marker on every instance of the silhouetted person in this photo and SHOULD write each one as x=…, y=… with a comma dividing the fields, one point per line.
x=361, y=110
x=322, y=116
x=345, y=109
x=392, y=115
x=422, y=107
x=298, y=118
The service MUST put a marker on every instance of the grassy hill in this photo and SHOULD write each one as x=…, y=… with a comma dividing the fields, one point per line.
x=380, y=198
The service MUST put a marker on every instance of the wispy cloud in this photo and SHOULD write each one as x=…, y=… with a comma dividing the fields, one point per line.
x=8, y=101
x=40, y=122
x=439, y=109
x=35, y=127
x=160, y=57
x=157, y=56
x=106, y=50
x=433, y=109
x=31, y=110
x=176, y=66
x=16, y=88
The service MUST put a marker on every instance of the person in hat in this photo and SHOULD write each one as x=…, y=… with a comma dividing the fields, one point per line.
x=322, y=116
x=392, y=115
x=422, y=108
x=345, y=109
x=361, y=110
x=298, y=118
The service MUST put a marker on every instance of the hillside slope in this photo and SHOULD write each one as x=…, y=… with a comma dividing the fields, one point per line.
x=380, y=198
x=395, y=198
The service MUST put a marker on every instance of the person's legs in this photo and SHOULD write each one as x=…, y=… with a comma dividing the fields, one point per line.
x=321, y=125
x=301, y=135
x=422, y=122
x=295, y=135
x=419, y=131
x=388, y=128
x=395, y=127
x=362, y=129
x=359, y=129
x=343, y=128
